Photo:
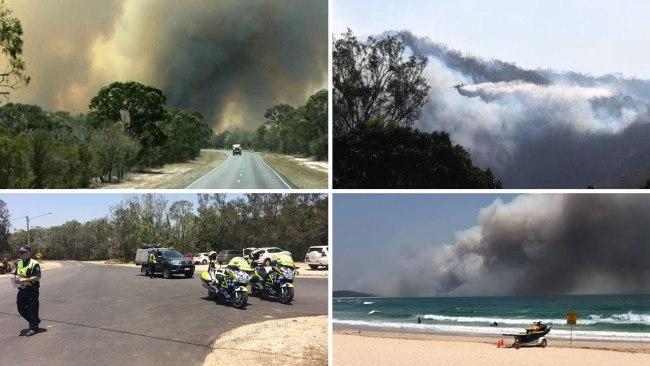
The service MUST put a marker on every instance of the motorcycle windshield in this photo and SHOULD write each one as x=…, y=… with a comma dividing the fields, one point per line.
x=240, y=263
x=205, y=276
x=284, y=260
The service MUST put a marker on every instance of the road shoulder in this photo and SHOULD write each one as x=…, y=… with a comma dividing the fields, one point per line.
x=301, y=340
x=303, y=173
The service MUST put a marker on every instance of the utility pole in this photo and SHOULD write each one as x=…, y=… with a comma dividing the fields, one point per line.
x=27, y=219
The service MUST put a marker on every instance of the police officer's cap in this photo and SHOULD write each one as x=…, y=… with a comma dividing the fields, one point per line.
x=25, y=249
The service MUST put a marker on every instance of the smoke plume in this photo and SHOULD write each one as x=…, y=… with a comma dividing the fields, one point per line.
x=536, y=244
x=538, y=128
x=229, y=59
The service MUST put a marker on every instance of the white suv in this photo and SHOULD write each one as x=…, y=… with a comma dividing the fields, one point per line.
x=317, y=256
x=201, y=258
x=265, y=256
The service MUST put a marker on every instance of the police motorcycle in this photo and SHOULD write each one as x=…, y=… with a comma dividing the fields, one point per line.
x=277, y=282
x=229, y=283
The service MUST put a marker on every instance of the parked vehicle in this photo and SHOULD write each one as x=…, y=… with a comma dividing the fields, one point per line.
x=142, y=254
x=229, y=284
x=534, y=336
x=264, y=256
x=226, y=255
x=246, y=253
x=201, y=258
x=317, y=256
x=236, y=149
x=277, y=282
x=169, y=262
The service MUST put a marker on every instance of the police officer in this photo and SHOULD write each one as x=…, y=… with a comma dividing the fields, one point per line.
x=213, y=258
x=152, y=263
x=28, y=273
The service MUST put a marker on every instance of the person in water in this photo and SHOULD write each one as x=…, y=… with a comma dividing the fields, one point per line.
x=419, y=319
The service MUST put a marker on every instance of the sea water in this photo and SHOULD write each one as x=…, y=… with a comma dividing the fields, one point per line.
x=600, y=317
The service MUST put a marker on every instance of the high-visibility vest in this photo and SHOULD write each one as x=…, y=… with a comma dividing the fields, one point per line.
x=25, y=271
x=152, y=258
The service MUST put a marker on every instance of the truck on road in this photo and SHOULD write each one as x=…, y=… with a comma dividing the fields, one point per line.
x=236, y=149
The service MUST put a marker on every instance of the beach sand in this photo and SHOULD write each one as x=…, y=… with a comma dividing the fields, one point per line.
x=358, y=347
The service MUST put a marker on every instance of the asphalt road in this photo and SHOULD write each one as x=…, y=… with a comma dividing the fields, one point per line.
x=245, y=171
x=110, y=315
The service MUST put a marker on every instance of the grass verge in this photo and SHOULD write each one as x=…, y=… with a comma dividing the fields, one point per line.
x=177, y=175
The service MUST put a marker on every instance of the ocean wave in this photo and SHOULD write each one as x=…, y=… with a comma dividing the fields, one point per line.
x=626, y=318
x=555, y=333
x=368, y=302
x=488, y=319
x=373, y=312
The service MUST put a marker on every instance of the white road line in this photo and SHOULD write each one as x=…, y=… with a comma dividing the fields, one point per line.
x=273, y=170
x=208, y=173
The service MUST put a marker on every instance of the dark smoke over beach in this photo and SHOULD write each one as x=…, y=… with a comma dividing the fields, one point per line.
x=230, y=60
x=536, y=244
x=539, y=128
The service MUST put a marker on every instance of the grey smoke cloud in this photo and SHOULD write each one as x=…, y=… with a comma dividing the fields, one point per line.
x=538, y=128
x=230, y=60
x=536, y=244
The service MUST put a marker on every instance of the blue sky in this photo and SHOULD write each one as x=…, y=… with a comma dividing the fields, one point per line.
x=589, y=36
x=66, y=207
x=369, y=229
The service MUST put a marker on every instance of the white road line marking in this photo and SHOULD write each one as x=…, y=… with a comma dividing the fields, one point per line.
x=208, y=173
x=276, y=173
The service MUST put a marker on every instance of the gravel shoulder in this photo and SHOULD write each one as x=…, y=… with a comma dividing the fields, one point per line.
x=293, y=341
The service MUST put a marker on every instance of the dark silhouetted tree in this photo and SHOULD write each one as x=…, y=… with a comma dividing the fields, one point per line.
x=375, y=79
x=401, y=157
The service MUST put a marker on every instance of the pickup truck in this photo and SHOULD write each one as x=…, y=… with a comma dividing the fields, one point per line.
x=169, y=262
